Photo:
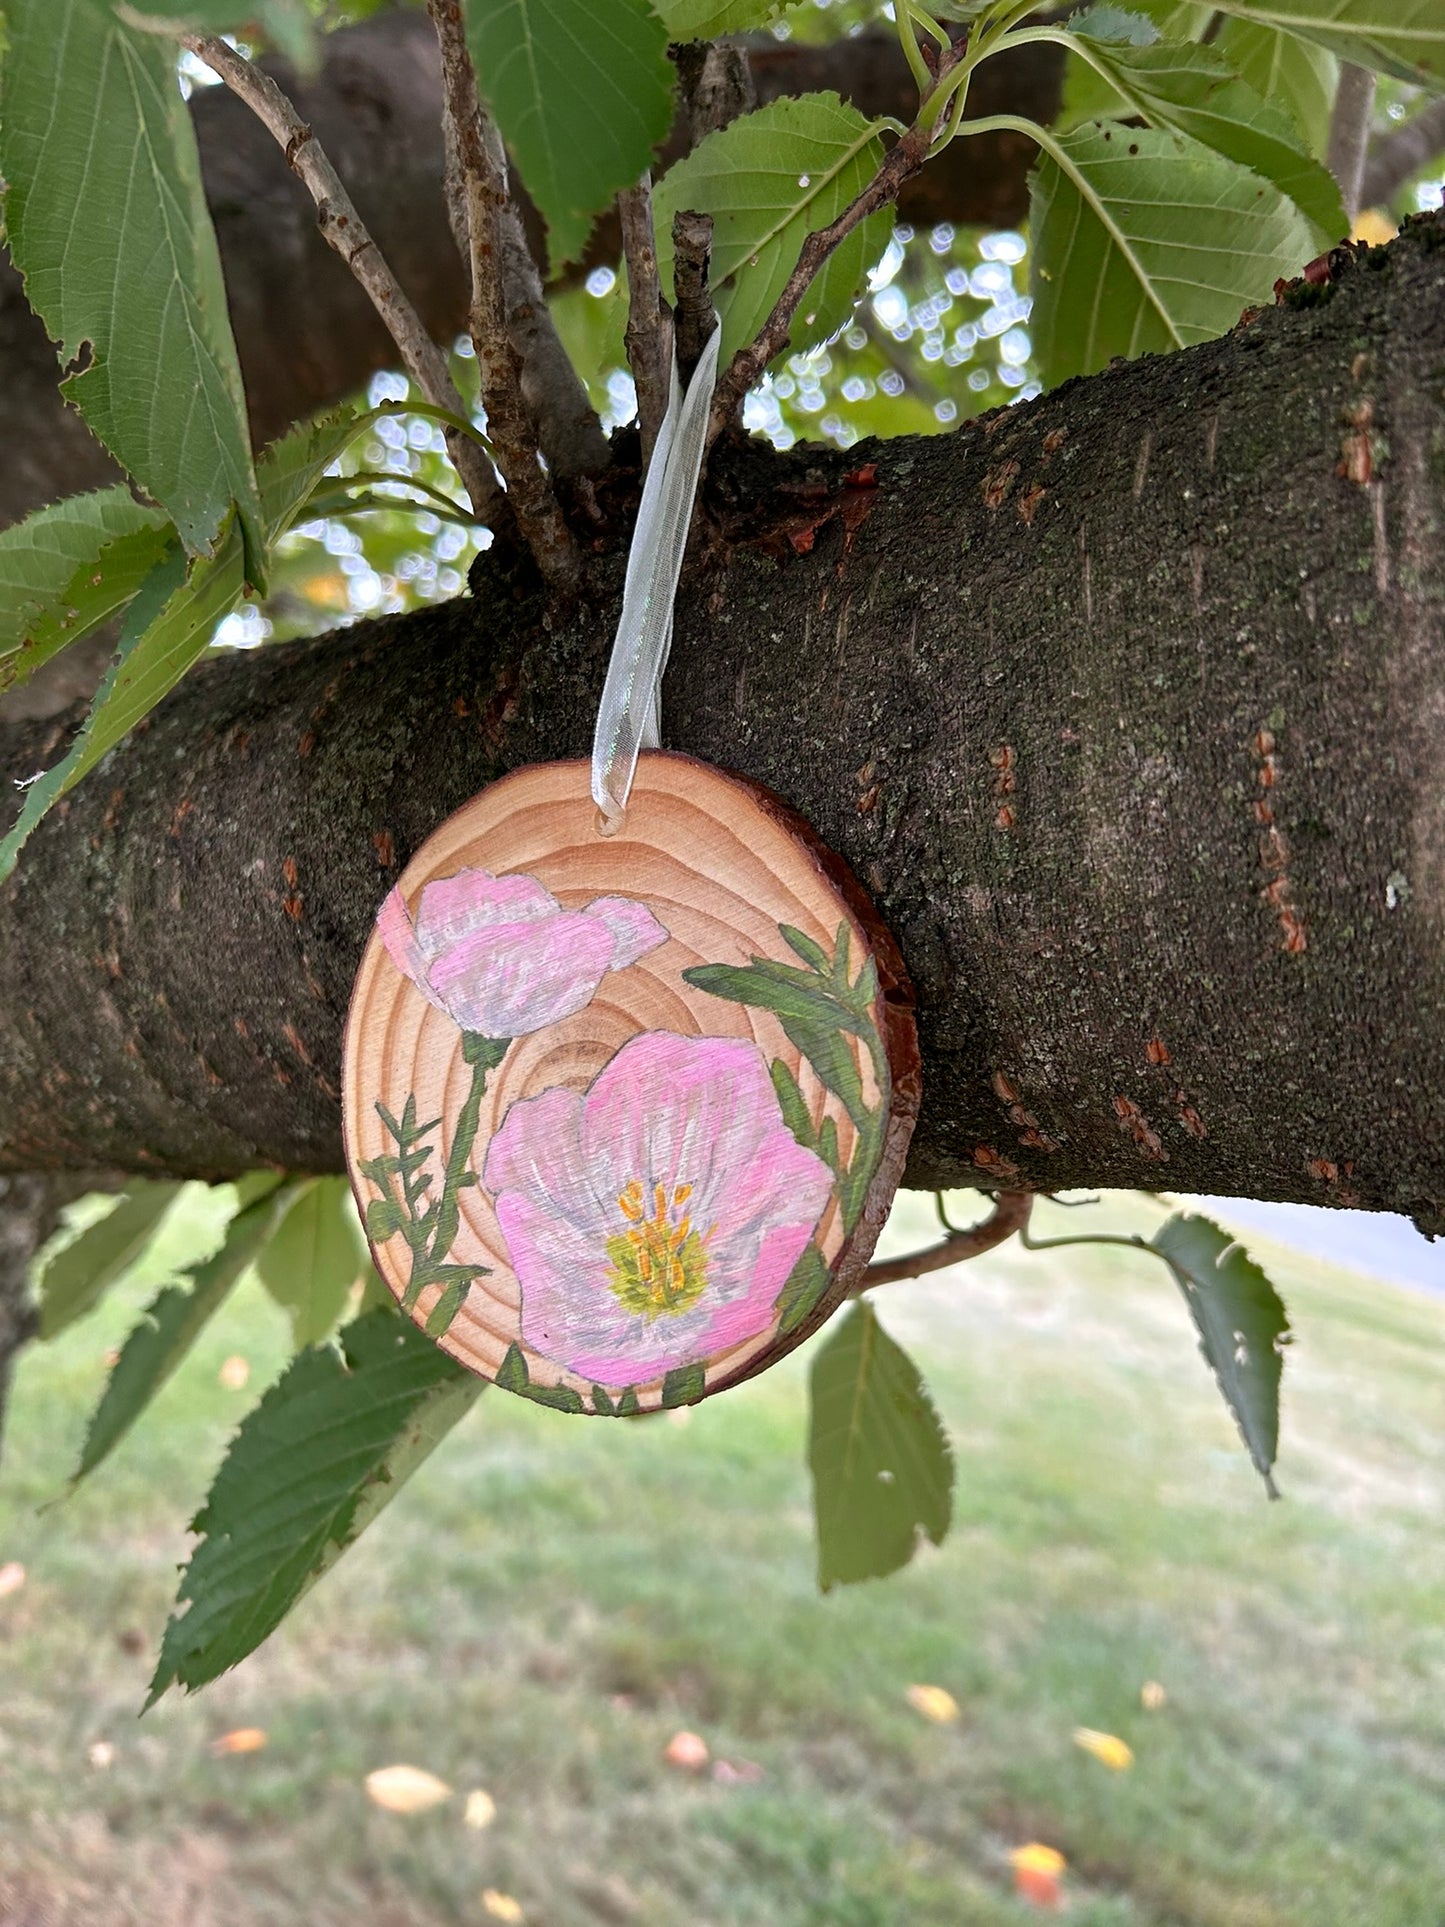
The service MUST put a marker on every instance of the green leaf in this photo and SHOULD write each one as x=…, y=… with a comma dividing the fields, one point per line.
x=769, y=180
x=327, y=1448
x=291, y=467
x=74, y=1279
x=1193, y=90
x=171, y=1324
x=1242, y=1326
x=684, y=1386
x=314, y=1258
x=169, y=627
x=1145, y=241
x=582, y=93
x=1298, y=76
x=1116, y=24
x=68, y=568
x=706, y=19
x=881, y=1462
x=286, y=23
x=1401, y=37
x=602, y=1402
x=107, y=221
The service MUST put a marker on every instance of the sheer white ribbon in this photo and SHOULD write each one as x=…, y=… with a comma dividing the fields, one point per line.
x=629, y=718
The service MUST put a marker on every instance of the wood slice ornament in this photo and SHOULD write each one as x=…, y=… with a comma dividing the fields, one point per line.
x=624, y=1113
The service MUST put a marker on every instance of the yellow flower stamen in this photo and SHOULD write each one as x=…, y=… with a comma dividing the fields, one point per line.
x=658, y=1262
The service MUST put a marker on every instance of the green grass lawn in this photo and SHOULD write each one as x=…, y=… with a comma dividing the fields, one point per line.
x=552, y=1598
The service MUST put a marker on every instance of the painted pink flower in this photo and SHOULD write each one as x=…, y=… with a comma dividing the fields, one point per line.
x=653, y=1219
x=502, y=957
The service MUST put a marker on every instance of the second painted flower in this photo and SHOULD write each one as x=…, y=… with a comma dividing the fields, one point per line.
x=500, y=956
x=653, y=1219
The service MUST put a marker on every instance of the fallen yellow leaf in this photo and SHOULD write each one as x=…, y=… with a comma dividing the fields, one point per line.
x=933, y=1703
x=686, y=1750
x=1152, y=1696
x=481, y=1809
x=1037, y=1871
x=406, y=1789
x=234, y=1373
x=501, y=1906
x=12, y=1577
x=1105, y=1747
x=245, y=1739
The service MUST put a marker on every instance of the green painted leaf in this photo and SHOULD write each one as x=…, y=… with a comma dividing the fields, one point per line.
x=1402, y=37
x=558, y=1398
x=768, y=180
x=169, y=627
x=1242, y=1326
x=628, y=1406
x=512, y=1374
x=684, y=1386
x=314, y=1258
x=807, y=1282
x=813, y=1018
x=327, y=1448
x=582, y=93
x=1193, y=90
x=106, y=219
x=1145, y=241
x=1297, y=75
x=75, y=1278
x=68, y=568
x=602, y=1402
x=171, y=1324
x=881, y=1462
x=806, y=947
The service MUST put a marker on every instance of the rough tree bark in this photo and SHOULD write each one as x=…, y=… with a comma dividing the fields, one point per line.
x=1128, y=705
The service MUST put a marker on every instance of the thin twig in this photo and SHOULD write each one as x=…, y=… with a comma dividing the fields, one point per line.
x=480, y=173
x=1350, y=132
x=343, y=229
x=1404, y=152
x=715, y=85
x=1010, y=1214
x=902, y=161
x=648, y=339
x=568, y=431
x=695, y=317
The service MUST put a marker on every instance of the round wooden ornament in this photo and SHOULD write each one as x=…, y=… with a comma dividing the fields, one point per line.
x=624, y=1114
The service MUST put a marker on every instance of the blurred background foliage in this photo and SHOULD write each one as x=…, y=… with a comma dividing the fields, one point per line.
x=940, y=335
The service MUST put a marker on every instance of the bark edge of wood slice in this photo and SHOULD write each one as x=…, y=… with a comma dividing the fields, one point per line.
x=624, y=1115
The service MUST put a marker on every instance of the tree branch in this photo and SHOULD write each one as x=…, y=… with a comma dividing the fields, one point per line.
x=1350, y=132
x=1010, y=1214
x=346, y=233
x=1403, y=153
x=648, y=338
x=1157, y=599
x=481, y=167
x=903, y=159
x=696, y=316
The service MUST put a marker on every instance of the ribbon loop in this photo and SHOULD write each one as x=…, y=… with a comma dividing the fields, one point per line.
x=629, y=718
